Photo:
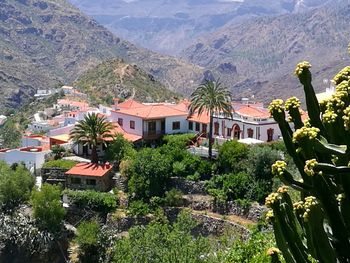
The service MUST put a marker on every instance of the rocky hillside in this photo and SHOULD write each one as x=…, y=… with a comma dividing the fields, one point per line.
x=170, y=26
x=115, y=78
x=258, y=57
x=47, y=42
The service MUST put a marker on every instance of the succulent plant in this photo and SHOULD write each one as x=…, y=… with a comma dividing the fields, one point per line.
x=317, y=227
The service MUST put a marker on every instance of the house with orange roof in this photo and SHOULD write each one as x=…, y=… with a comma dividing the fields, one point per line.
x=89, y=176
x=249, y=120
x=150, y=121
x=73, y=105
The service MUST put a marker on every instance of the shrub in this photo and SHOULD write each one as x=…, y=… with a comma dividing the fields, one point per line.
x=58, y=151
x=47, y=207
x=15, y=185
x=98, y=201
x=174, y=198
x=178, y=140
x=60, y=163
x=138, y=208
x=231, y=156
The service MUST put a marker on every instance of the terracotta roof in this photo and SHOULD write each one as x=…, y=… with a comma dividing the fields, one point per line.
x=203, y=118
x=130, y=104
x=81, y=105
x=128, y=136
x=153, y=111
x=254, y=112
x=90, y=169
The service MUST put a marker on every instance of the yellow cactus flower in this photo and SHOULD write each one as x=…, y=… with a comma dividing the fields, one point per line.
x=301, y=66
x=309, y=132
x=276, y=106
x=292, y=103
x=309, y=167
x=278, y=167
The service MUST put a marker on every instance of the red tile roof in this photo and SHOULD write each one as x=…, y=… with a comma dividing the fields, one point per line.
x=128, y=136
x=253, y=111
x=203, y=118
x=130, y=104
x=90, y=169
x=153, y=111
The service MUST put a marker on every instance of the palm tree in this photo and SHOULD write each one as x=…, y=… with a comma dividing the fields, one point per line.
x=211, y=97
x=92, y=131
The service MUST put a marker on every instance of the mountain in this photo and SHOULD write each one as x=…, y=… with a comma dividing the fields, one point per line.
x=115, y=76
x=257, y=57
x=169, y=26
x=47, y=42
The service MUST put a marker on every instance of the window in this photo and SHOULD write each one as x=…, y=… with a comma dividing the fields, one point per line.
x=229, y=132
x=204, y=128
x=75, y=180
x=132, y=125
x=216, y=128
x=90, y=181
x=197, y=126
x=120, y=122
x=250, y=133
x=176, y=125
x=190, y=125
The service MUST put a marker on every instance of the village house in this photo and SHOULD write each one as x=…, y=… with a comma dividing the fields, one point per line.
x=150, y=121
x=249, y=120
x=89, y=176
x=32, y=157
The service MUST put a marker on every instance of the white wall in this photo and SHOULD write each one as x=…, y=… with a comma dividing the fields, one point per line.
x=259, y=128
x=29, y=158
x=126, y=122
x=169, y=124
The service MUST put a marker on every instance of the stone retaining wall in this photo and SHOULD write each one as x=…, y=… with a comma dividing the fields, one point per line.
x=207, y=225
x=54, y=175
x=188, y=187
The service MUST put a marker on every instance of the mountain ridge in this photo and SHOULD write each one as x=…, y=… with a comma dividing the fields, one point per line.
x=45, y=43
x=264, y=51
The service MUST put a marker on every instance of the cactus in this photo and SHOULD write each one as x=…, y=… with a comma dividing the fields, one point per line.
x=316, y=228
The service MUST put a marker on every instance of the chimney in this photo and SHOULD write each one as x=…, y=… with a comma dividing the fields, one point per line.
x=108, y=165
x=115, y=105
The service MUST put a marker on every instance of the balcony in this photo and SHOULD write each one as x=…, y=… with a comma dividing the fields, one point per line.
x=153, y=135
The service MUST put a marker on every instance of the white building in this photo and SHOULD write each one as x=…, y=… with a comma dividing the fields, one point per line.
x=150, y=121
x=32, y=157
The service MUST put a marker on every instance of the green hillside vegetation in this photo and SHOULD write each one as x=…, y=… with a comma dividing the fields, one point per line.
x=115, y=78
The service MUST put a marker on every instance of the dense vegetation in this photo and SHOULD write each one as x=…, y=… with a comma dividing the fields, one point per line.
x=148, y=173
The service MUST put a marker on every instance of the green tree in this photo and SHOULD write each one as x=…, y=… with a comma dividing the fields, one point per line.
x=10, y=135
x=232, y=155
x=151, y=173
x=92, y=131
x=118, y=149
x=88, y=240
x=15, y=185
x=47, y=207
x=211, y=97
